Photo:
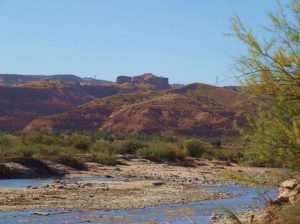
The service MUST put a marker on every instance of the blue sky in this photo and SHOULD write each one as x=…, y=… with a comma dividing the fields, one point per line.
x=181, y=39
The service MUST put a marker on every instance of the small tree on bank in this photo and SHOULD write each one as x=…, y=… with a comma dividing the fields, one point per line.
x=271, y=80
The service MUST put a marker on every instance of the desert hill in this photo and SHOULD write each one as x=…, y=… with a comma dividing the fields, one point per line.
x=17, y=79
x=195, y=109
x=138, y=104
x=26, y=97
x=19, y=105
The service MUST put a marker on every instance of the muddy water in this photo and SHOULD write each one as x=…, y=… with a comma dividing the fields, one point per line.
x=195, y=212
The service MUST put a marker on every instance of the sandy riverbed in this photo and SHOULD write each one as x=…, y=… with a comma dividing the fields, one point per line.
x=150, y=184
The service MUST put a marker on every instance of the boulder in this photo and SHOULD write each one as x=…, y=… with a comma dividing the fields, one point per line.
x=289, y=183
x=289, y=191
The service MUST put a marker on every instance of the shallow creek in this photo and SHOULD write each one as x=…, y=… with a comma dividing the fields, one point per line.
x=194, y=212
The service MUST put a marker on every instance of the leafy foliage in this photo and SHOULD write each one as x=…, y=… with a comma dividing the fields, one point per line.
x=230, y=155
x=194, y=147
x=81, y=142
x=104, y=153
x=159, y=151
x=131, y=146
x=271, y=80
x=216, y=142
x=105, y=157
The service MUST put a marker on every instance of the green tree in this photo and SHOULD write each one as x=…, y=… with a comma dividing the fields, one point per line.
x=271, y=80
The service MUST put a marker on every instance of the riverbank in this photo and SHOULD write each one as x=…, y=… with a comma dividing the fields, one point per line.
x=109, y=195
x=194, y=212
x=283, y=209
x=146, y=184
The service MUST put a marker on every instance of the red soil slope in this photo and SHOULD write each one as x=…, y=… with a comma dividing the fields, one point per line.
x=195, y=109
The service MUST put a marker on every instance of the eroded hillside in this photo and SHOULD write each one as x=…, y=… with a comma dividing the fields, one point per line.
x=195, y=109
x=24, y=98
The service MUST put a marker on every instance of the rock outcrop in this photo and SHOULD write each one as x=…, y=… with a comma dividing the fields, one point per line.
x=123, y=79
x=150, y=79
x=289, y=191
x=159, y=83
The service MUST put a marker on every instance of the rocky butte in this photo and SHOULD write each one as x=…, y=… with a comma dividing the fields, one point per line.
x=159, y=83
x=123, y=79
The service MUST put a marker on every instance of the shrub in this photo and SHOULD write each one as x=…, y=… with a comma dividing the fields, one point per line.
x=81, y=142
x=105, y=157
x=104, y=146
x=265, y=159
x=194, y=147
x=103, y=134
x=216, y=142
x=130, y=147
x=5, y=141
x=110, y=138
x=25, y=150
x=6, y=146
x=65, y=150
x=31, y=137
x=36, y=149
x=231, y=155
x=73, y=162
x=158, y=151
x=120, y=136
x=105, y=153
x=209, y=155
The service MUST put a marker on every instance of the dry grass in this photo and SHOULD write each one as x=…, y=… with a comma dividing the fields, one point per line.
x=283, y=214
x=289, y=214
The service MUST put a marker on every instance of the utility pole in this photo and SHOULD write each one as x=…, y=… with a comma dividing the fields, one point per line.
x=217, y=80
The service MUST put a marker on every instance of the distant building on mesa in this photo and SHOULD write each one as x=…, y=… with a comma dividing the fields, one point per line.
x=148, y=78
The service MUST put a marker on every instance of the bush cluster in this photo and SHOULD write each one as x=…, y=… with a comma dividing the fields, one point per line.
x=67, y=148
x=159, y=151
x=194, y=147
